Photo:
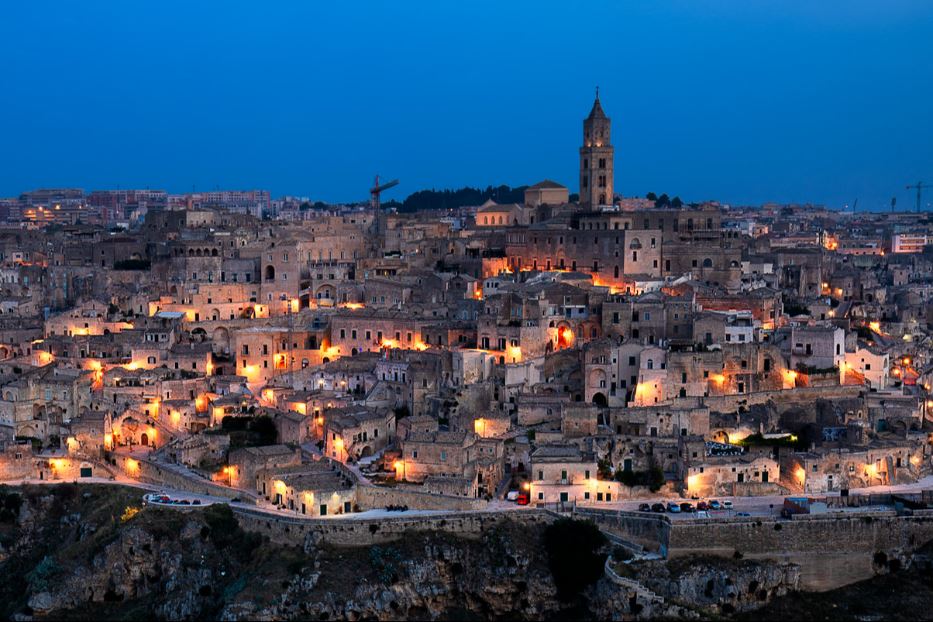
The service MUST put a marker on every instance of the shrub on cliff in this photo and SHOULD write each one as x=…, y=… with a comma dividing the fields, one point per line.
x=226, y=534
x=572, y=548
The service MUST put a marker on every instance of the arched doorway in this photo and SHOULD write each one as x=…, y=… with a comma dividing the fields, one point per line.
x=600, y=400
x=221, y=340
x=144, y=439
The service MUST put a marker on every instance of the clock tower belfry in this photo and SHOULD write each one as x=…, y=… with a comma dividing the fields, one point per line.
x=596, y=182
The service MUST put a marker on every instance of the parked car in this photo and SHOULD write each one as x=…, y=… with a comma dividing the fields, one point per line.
x=702, y=506
x=644, y=507
x=512, y=495
x=657, y=507
x=673, y=508
x=687, y=507
x=715, y=505
x=742, y=514
x=727, y=505
x=522, y=499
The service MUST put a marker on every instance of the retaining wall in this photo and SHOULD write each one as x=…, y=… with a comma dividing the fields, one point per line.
x=153, y=473
x=363, y=532
x=731, y=403
x=375, y=498
x=649, y=531
x=831, y=549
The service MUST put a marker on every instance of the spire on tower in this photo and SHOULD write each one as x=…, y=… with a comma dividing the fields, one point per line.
x=597, y=111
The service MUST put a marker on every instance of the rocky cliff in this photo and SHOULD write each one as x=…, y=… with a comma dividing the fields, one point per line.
x=93, y=552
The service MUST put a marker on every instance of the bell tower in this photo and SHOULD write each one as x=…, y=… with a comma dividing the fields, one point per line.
x=596, y=183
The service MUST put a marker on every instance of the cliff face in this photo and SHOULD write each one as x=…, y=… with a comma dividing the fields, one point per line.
x=92, y=552
x=717, y=585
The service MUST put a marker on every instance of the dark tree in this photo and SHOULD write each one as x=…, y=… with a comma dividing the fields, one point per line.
x=676, y=202
x=662, y=201
x=449, y=199
x=651, y=196
x=573, y=555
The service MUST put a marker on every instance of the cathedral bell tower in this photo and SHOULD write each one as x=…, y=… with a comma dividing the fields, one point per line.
x=596, y=187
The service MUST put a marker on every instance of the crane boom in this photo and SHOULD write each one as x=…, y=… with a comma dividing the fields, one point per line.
x=377, y=189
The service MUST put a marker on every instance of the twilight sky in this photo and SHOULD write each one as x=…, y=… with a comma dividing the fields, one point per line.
x=740, y=101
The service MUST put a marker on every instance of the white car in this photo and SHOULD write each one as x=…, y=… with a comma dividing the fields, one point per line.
x=727, y=505
x=512, y=495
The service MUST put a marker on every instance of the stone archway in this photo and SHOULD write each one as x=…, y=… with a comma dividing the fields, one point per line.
x=220, y=339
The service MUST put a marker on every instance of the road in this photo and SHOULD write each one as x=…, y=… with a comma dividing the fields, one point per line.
x=766, y=506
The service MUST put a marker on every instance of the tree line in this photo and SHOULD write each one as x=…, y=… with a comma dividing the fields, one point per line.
x=461, y=197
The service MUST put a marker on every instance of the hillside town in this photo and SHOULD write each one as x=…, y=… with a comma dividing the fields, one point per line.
x=569, y=350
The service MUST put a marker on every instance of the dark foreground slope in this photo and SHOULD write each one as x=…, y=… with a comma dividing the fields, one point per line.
x=93, y=552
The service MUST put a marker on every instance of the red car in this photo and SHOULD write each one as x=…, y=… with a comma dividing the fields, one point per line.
x=522, y=499
x=702, y=505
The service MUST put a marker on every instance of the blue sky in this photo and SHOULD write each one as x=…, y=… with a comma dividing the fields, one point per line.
x=740, y=101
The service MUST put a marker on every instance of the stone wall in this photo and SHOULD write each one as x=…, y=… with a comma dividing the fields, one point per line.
x=831, y=549
x=162, y=475
x=649, y=531
x=364, y=532
x=17, y=462
x=731, y=403
x=376, y=498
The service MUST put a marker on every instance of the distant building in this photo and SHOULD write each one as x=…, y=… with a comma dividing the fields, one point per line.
x=119, y=204
x=252, y=202
x=910, y=242
x=52, y=205
x=546, y=192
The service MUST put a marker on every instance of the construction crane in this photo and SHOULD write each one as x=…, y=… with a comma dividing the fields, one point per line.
x=919, y=187
x=377, y=189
